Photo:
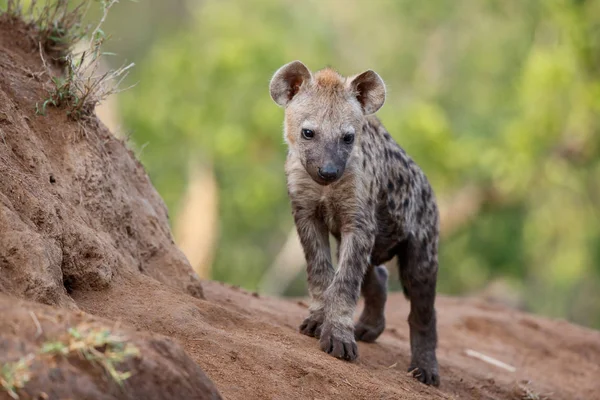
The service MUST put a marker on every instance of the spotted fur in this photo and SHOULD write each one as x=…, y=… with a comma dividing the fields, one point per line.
x=380, y=206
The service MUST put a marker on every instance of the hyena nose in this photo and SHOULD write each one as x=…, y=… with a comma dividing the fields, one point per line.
x=329, y=172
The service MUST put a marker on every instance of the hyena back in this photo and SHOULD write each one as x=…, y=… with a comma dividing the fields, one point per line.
x=347, y=176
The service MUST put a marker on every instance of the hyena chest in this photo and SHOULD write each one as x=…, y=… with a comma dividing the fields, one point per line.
x=329, y=213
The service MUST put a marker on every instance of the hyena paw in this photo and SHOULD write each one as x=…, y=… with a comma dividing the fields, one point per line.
x=425, y=372
x=311, y=326
x=367, y=330
x=338, y=342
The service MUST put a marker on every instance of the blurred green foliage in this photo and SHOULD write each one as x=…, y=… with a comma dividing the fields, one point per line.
x=503, y=95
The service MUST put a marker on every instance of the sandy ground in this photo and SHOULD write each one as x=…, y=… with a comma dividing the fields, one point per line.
x=249, y=346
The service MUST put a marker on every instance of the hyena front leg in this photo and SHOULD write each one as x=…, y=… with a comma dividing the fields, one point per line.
x=374, y=289
x=314, y=238
x=337, y=335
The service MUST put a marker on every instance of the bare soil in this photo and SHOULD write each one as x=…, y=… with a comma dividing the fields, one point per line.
x=83, y=232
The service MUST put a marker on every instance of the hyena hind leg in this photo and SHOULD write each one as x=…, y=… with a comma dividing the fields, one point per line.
x=374, y=289
x=418, y=273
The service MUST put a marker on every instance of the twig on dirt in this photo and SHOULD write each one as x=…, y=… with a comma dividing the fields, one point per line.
x=393, y=365
x=107, y=7
x=117, y=324
x=348, y=383
x=37, y=324
x=43, y=59
x=490, y=360
x=523, y=392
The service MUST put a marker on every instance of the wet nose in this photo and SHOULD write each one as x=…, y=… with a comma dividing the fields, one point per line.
x=329, y=172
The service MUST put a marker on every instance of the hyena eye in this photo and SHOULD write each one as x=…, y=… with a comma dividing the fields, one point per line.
x=348, y=138
x=308, y=134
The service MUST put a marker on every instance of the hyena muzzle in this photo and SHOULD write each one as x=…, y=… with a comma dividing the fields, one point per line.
x=347, y=177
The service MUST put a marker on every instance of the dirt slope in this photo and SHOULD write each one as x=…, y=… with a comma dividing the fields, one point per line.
x=83, y=231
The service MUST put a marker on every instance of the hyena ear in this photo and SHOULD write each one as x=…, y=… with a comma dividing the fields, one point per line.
x=287, y=81
x=369, y=90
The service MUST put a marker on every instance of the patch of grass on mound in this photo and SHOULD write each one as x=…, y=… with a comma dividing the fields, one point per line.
x=15, y=375
x=98, y=345
x=58, y=28
x=58, y=25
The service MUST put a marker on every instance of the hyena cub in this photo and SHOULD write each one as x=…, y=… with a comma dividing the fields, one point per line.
x=348, y=177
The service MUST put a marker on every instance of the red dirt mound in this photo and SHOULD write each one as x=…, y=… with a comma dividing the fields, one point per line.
x=77, y=214
x=50, y=343
x=77, y=211
x=82, y=229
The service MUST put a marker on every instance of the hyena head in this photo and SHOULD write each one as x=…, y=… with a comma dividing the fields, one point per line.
x=324, y=115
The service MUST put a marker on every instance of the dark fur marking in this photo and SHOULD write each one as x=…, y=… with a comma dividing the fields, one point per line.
x=391, y=204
